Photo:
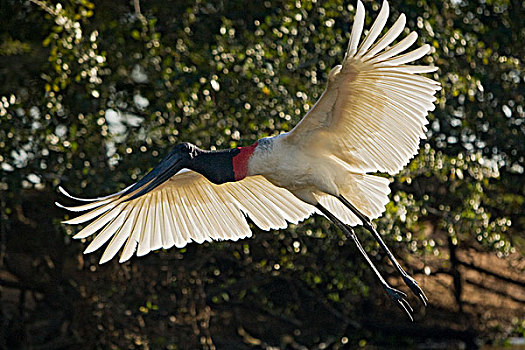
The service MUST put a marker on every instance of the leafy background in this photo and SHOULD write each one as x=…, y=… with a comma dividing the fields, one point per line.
x=94, y=93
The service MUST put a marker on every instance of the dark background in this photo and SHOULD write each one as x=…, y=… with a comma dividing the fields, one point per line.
x=94, y=93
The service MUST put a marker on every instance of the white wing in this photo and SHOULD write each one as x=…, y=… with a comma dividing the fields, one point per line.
x=186, y=208
x=373, y=112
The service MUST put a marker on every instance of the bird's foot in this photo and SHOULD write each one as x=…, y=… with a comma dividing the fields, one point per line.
x=399, y=298
x=416, y=289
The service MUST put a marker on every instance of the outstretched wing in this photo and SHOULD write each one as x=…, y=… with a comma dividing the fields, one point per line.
x=185, y=208
x=373, y=112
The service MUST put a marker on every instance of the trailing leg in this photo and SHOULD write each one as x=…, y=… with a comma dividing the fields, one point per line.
x=409, y=281
x=398, y=297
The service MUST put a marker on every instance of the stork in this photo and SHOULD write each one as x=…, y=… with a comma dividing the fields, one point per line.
x=369, y=119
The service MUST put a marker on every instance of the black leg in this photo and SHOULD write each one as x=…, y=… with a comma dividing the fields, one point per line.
x=398, y=297
x=409, y=281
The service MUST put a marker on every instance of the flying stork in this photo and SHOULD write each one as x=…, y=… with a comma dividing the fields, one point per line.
x=369, y=119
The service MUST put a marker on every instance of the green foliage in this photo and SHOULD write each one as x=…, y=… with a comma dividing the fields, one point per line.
x=96, y=93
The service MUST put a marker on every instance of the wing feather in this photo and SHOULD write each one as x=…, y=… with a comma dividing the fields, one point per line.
x=85, y=207
x=259, y=202
x=171, y=238
x=160, y=226
x=376, y=29
x=134, y=233
x=401, y=46
x=372, y=114
x=213, y=223
x=217, y=212
x=92, y=214
x=188, y=208
x=389, y=37
x=239, y=227
x=357, y=29
x=109, y=230
x=196, y=226
x=65, y=193
x=409, y=57
x=167, y=227
x=147, y=220
x=120, y=237
x=415, y=69
x=182, y=218
x=95, y=225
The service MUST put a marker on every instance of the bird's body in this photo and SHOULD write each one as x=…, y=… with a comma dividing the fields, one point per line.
x=370, y=119
x=286, y=165
x=313, y=175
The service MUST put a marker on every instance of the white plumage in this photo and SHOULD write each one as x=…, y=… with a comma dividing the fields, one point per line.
x=187, y=208
x=369, y=119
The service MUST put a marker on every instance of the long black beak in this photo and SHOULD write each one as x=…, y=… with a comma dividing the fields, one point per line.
x=169, y=166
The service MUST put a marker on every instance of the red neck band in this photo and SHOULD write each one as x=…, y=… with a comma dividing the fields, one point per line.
x=240, y=161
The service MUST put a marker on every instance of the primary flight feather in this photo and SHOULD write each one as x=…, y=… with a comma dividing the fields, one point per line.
x=369, y=119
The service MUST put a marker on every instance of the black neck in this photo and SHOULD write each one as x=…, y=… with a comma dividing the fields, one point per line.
x=216, y=166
